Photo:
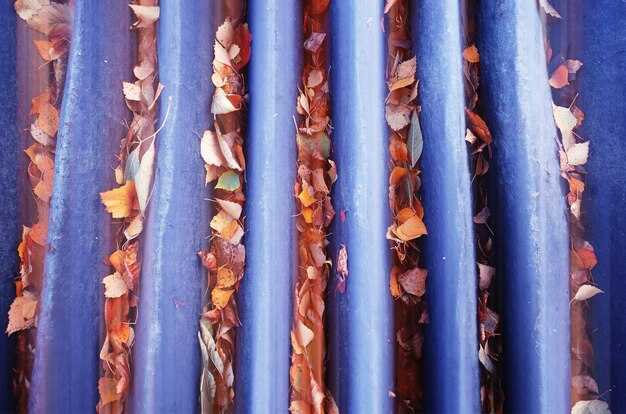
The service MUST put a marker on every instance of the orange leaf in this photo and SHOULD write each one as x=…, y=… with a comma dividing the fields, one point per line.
x=411, y=229
x=559, y=77
x=37, y=102
x=479, y=126
x=396, y=175
x=48, y=119
x=394, y=286
x=43, y=47
x=405, y=214
x=307, y=213
x=119, y=201
x=471, y=54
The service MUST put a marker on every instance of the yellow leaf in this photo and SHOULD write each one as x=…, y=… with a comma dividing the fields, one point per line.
x=119, y=201
x=307, y=213
x=221, y=297
x=306, y=198
x=225, y=278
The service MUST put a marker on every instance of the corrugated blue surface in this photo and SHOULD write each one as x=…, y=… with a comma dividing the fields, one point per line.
x=451, y=382
x=532, y=234
x=9, y=218
x=602, y=31
x=166, y=355
x=69, y=335
x=360, y=321
x=265, y=297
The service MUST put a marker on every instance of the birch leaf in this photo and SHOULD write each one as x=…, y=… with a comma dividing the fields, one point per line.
x=586, y=292
x=416, y=140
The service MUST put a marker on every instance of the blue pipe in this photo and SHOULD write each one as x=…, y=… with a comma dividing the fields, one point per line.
x=69, y=336
x=263, y=341
x=360, y=321
x=9, y=224
x=166, y=355
x=603, y=100
x=451, y=381
x=532, y=238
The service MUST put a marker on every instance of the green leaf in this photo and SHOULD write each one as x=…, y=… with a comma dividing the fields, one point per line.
x=228, y=181
x=320, y=142
x=416, y=141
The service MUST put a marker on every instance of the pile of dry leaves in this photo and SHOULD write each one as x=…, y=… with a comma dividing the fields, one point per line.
x=478, y=140
x=407, y=279
x=53, y=20
x=222, y=152
x=316, y=175
x=128, y=204
x=573, y=155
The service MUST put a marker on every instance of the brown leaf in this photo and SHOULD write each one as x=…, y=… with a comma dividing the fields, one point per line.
x=479, y=126
x=414, y=281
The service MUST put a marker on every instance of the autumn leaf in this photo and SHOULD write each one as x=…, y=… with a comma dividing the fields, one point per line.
x=479, y=126
x=470, y=54
x=578, y=154
x=132, y=91
x=21, y=314
x=233, y=209
x=228, y=181
x=143, y=177
x=107, y=388
x=43, y=47
x=591, y=407
x=413, y=281
x=415, y=139
x=48, y=119
x=411, y=229
x=114, y=286
x=119, y=201
x=547, y=7
x=397, y=116
x=220, y=297
x=559, y=77
x=586, y=292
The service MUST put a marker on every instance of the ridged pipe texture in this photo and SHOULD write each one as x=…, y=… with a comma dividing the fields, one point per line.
x=166, y=356
x=602, y=31
x=529, y=208
x=360, y=322
x=9, y=215
x=450, y=339
x=265, y=296
x=67, y=364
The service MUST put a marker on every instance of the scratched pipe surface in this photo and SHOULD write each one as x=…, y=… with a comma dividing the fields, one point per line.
x=360, y=321
x=602, y=98
x=166, y=355
x=9, y=215
x=451, y=381
x=263, y=341
x=67, y=365
x=529, y=208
